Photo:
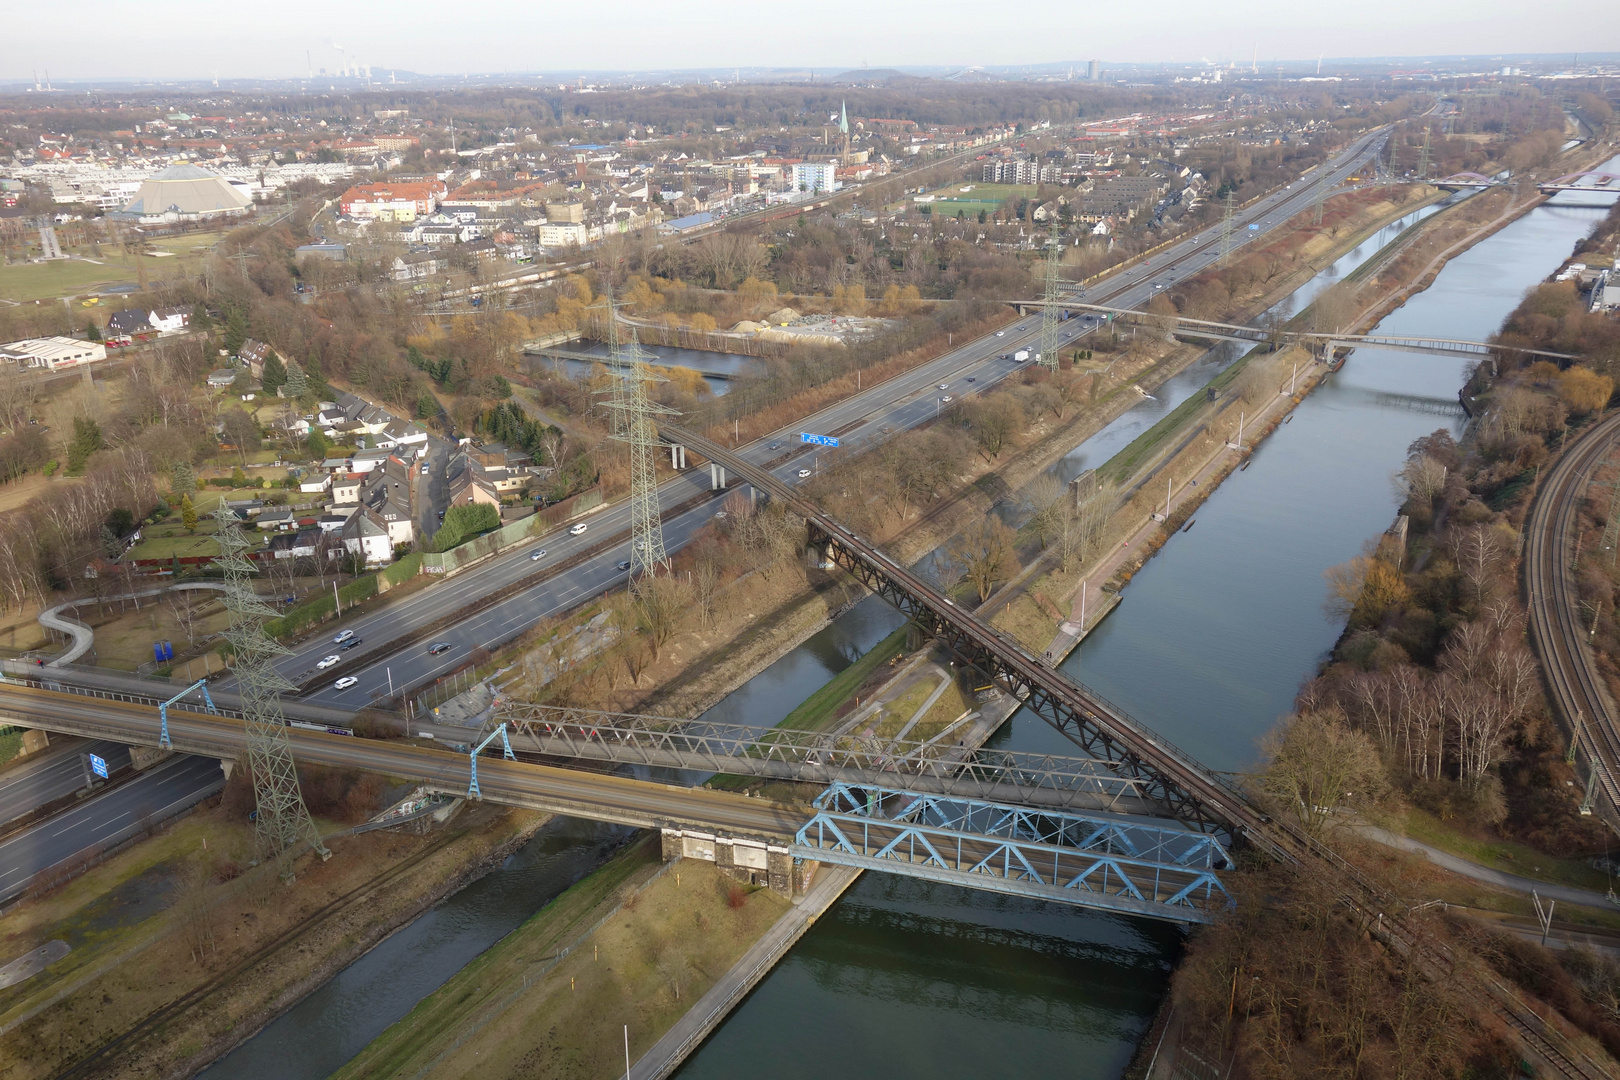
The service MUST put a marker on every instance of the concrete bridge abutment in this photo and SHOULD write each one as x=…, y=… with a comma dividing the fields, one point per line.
x=752, y=862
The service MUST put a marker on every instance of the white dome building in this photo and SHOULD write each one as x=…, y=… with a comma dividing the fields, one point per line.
x=184, y=193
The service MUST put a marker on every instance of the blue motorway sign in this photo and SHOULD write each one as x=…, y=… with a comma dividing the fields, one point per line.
x=819, y=440
x=98, y=765
x=1254, y=228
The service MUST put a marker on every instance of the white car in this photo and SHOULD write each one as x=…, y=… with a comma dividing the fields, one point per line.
x=803, y=473
x=577, y=529
x=341, y=638
x=537, y=554
x=946, y=398
x=328, y=662
x=345, y=682
x=943, y=385
x=1001, y=333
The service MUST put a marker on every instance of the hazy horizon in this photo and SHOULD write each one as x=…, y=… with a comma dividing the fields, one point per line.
x=201, y=41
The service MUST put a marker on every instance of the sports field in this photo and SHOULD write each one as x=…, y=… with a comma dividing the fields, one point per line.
x=953, y=200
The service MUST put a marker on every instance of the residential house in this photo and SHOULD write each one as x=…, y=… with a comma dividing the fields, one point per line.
x=315, y=483
x=169, y=320
x=418, y=264
x=387, y=492
x=346, y=489
x=253, y=353
x=391, y=202
x=398, y=433
x=127, y=322
x=366, y=534
x=222, y=378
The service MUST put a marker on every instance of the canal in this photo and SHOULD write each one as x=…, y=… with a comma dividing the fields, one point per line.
x=1212, y=640
x=909, y=979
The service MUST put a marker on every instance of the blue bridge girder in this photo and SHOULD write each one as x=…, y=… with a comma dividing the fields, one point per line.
x=1136, y=867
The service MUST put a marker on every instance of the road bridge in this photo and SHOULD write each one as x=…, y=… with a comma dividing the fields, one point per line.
x=607, y=361
x=1105, y=862
x=1602, y=182
x=1277, y=336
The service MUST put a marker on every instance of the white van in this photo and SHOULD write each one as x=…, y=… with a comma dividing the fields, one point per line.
x=577, y=529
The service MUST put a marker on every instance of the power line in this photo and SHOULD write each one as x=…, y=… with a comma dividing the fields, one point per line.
x=1226, y=230
x=281, y=823
x=1053, y=297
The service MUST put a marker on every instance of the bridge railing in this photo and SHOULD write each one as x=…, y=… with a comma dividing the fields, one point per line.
x=922, y=765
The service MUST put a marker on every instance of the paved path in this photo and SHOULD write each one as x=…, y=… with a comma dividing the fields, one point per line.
x=702, y=1018
x=1458, y=865
x=82, y=636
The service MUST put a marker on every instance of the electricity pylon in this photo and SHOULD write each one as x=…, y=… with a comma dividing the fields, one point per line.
x=1053, y=296
x=1317, y=198
x=1226, y=231
x=635, y=409
x=281, y=823
x=1423, y=157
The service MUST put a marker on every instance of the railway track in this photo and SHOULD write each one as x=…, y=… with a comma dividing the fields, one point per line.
x=1555, y=619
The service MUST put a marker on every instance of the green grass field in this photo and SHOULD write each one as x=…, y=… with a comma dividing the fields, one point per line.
x=68, y=277
x=952, y=200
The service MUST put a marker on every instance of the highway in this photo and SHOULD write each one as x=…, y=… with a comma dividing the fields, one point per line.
x=905, y=401
x=171, y=785
x=32, y=784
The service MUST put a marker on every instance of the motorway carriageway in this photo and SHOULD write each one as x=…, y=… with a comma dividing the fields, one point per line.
x=29, y=785
x=112, y=817
x=902, y=402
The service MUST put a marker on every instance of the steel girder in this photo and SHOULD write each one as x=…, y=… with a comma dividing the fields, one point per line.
x=1096, y=733
x=1133, y=837
x=933, y=766
x=1090, y=862
x=1179, y=786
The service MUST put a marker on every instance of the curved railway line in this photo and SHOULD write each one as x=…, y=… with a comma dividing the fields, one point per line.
x=1556, y=629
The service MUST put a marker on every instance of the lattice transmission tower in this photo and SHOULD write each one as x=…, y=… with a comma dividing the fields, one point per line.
x=281, y=824
x=1318, y=197
x=1423, y=157
x=1053, y=296
x=634, y=411
x=1226, y=229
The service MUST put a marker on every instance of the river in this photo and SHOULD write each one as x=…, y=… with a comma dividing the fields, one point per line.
x=904, y=978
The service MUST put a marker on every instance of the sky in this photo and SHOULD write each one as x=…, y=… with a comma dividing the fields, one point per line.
x=191, y=39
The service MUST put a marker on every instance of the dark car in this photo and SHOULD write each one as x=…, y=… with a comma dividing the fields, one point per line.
x=438, y=647
x=352, y=643
x=623, y=564
x=774, y=446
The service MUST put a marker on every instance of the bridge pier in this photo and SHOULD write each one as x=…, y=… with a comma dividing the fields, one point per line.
x=751, y=862
x=717, y=477
x=677, y=456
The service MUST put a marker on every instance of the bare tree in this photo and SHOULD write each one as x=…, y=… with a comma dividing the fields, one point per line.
x=1314, y=763
x=986, y=553
x=183, y=605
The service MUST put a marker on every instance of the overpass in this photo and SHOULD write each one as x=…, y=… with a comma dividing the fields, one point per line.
x=607, y=361
x=1604, y=183
x=1204, y=328
x=1092, y=860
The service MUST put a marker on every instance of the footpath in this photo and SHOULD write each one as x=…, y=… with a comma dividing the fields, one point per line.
x=702, y=1018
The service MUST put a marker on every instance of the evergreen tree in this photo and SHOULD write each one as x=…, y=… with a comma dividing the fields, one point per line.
x=236, y=331
x=86, y=441
x=319, y=445
x=188, y=514
x=297, y=382
x=185, y=478
x=275, y=373
x=93, y=332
